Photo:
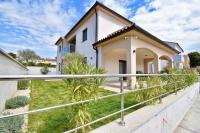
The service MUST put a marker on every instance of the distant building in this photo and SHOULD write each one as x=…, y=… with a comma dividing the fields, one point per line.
x=45, y=61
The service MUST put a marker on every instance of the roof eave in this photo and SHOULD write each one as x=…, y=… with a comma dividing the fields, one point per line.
x=10, y=57
x=59, y=39
x=92, y=8
x=136, y=27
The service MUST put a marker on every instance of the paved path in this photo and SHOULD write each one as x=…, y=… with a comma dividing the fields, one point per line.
x=191, y=121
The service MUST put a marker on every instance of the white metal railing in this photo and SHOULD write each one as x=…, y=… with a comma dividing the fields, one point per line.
x=120, y=76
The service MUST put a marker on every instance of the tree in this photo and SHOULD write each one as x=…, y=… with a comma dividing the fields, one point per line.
x=13, y=55
x=81, y=89
x=194, y=59
x=27, y=55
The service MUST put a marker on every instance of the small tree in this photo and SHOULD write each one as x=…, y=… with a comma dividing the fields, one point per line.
x=27, y=55
x=81, y=89
x=44, y=70
x=194, y=59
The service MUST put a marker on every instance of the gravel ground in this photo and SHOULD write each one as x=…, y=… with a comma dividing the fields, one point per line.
x=21, y=109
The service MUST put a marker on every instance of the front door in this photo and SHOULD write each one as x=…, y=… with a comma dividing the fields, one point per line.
x=122, y=67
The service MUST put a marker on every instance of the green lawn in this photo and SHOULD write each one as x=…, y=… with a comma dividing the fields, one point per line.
x=50, y=93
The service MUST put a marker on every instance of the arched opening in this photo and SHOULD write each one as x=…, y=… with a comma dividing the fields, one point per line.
x=115, y=61
x=146, y=61
x=165, y=62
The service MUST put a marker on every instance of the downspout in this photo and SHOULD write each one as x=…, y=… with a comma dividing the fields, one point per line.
x=96, y=35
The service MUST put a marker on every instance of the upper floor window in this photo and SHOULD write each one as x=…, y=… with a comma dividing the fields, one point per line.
x=84, y=34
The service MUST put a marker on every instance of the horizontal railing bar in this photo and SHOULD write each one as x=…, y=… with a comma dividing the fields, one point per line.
x=79, y=102
x=28, y=77
x=115, y=113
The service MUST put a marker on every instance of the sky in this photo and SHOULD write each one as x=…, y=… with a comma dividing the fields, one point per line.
x=37, y=24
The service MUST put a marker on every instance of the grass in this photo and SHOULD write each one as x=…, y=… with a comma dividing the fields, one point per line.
x=50, y=93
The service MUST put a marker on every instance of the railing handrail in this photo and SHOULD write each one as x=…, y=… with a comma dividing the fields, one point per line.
x=26, y=77
x=29, y=77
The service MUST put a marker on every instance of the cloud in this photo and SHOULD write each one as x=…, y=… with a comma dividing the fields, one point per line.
x=36, y=23
x=120, y=6
x=172, y=20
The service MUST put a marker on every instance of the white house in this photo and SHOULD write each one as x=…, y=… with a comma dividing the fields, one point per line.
x=110, y=41
x=9, y=66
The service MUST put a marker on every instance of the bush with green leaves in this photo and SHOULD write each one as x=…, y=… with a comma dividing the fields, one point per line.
x=23, y=84
x=169, y=83
x=44, y=70
x=15, y=102
x=81, y=89
x=11, y=124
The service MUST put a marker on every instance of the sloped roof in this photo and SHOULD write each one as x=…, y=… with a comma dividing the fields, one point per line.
x=88, y=12
x=10, y=57
x=137, y=28
x=92, y=8
x=173, y=44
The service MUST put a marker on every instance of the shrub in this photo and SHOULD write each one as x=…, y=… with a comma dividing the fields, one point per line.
x=44, y=70
x=168, y=83
x=81, y=89
x=23, y=84
x=16, y=102
x=11, y=124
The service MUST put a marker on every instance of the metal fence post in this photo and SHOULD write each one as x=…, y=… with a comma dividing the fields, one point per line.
x=122, y=101
x=175, y=87
x=160, y=97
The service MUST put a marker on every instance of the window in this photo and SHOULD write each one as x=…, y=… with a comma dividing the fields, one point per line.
x=72, y=48
x=85, y=35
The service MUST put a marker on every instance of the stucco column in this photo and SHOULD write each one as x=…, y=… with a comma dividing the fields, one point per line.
x=131, y=63
x=157, y=64
x=99, y=57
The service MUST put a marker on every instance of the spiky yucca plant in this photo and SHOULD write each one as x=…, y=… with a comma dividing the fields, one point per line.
x=81, y=88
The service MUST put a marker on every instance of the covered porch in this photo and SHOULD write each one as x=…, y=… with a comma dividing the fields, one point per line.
x=132, y=54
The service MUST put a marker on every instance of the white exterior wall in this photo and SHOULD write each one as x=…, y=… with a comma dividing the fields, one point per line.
x=8, y=88
x=138, y=43
x=110, y=60
x=139, y=64
x=60, y=55
x=85, y=48
x=112, y=53
x=107, y=25
x=58, y=59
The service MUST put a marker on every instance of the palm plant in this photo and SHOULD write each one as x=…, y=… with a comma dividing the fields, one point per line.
x=81, y=89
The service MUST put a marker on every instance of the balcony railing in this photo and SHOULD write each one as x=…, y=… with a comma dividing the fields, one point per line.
x=121, y=93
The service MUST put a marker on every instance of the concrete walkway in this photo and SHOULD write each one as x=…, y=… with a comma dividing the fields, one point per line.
x=191, y=121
